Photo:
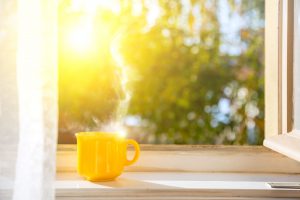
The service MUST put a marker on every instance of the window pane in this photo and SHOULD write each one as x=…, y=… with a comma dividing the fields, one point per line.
x=297, y=66
x=168, y=71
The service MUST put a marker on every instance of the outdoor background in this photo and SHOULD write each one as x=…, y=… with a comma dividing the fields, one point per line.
x=171, y=71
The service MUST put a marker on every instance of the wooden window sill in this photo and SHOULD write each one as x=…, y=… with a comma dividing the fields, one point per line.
x=179, y=185
x=196, y=158
x=185, y=172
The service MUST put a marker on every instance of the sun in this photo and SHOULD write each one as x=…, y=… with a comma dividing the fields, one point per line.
x=80, y=38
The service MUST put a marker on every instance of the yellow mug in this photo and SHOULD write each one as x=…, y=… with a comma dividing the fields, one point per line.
x=101, y=156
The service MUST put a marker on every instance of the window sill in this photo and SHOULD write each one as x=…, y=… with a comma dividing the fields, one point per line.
x=185, y=172
x=170, y=185
x=196, y=158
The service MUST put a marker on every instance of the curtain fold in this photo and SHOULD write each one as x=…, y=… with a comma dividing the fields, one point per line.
x=30, y=117
x=9, y=117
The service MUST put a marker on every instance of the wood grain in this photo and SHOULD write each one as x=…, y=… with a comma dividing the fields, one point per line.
x=174, y=185
x=177, y=194
x=196, y=158
x=272, y=68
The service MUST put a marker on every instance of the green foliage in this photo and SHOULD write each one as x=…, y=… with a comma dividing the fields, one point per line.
x=185, y=88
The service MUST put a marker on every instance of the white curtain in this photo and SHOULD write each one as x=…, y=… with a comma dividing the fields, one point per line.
x=28, y=99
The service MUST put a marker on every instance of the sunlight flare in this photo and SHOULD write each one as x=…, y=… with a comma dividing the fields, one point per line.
x=80, y=38
x=122, y=133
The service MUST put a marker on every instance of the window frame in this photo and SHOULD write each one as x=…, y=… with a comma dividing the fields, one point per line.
x=246, y=159
x=279, y=61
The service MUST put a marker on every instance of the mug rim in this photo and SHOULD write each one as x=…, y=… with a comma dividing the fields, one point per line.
x=97, y=133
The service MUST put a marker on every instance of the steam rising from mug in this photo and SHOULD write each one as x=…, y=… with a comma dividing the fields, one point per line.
x=122, y=70
x=115, y=123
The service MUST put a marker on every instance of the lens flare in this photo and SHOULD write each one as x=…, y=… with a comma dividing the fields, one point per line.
x=80, y=39
x=122, y=133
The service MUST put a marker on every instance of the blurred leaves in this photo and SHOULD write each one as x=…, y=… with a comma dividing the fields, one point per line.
x=185, y=88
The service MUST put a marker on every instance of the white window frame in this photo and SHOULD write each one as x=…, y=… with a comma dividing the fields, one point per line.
x=279, y=50
x=278, y=120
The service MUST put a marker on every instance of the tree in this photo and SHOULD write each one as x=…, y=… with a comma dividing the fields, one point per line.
x=186, y=89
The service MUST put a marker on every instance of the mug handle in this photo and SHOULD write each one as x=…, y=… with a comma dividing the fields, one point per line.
x=137, y=151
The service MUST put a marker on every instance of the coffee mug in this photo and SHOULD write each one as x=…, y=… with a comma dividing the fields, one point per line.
x=101, y=156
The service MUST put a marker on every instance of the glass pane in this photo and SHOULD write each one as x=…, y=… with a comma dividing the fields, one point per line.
x=297, y=66
x=166, y=71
